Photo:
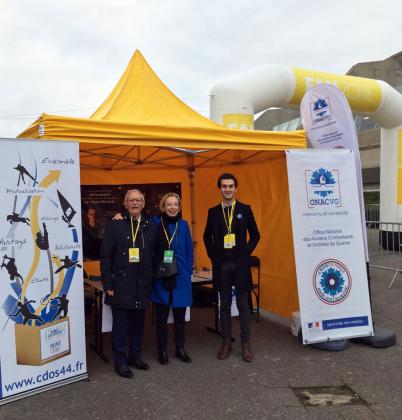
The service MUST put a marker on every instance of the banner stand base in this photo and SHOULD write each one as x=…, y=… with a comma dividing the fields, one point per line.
x=44, y=388
x=334, y=345
x=381, y=339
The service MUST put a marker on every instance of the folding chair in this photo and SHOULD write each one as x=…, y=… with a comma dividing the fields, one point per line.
x=255, y=290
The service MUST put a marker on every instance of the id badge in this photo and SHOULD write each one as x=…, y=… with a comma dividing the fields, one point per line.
x=229, y=240
x=168, y=256
x=133, y=255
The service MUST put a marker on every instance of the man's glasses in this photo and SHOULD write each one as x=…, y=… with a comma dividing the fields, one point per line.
x=135, y=200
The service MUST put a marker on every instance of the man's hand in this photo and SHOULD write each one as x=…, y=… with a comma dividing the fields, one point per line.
x=109, y=292
x=117, y=216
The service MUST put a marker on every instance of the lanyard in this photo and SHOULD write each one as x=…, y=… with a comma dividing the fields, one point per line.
x=132, y=229
x=167, y=236
x=228, y=223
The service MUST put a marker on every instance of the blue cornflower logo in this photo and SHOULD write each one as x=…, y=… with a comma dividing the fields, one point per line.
x=322, y=178
x=320, y=111
x=319, y=106
x=332, y=282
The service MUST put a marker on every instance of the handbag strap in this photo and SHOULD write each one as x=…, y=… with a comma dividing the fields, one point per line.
x=175, y=237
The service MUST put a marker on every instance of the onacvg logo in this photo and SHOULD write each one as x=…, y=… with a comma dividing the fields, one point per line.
x=320, y=110
x=323, y=188
x=332, y=281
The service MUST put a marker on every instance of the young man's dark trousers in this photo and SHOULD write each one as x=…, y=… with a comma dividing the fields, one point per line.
x=228, y=273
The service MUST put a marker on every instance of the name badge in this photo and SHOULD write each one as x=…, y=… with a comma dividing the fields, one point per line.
x=229, y=241
x=168, y=256
x=133, y=255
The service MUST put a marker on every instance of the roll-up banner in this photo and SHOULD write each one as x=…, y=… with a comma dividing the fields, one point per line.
x=42, y=328
x=328, y=120
x=328, y=245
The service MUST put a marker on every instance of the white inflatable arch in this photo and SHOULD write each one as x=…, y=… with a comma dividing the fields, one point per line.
x=235, y=100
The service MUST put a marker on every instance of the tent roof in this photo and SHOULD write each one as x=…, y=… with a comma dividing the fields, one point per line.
x=140, y=97
x=142, y=112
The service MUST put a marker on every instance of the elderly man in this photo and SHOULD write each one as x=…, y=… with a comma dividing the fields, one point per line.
x=127, y=273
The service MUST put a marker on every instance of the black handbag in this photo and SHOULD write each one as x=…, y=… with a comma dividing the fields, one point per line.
x=167, y=272
x=164, y=270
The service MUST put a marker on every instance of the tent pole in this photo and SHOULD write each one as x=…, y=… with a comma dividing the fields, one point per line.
x=191, y=177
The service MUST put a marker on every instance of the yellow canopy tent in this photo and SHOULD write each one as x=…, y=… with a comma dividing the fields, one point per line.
x=142, y=133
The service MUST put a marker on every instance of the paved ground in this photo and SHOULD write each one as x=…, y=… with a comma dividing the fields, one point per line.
x=210, y=389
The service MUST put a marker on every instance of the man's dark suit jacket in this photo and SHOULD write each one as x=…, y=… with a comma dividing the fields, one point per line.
x=243, y=222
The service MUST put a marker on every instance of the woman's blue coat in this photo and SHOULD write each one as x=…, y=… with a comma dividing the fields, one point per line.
x=182, y=246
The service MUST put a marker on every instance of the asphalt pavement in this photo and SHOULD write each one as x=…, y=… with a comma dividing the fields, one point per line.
x=286, y=380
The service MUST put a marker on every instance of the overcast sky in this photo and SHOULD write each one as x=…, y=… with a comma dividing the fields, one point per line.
x=64, y=57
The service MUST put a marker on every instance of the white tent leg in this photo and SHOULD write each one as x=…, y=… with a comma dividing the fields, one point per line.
x=191, y=178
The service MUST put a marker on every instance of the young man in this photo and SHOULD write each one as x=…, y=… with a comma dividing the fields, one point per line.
x=127, y=273
x=229, y=250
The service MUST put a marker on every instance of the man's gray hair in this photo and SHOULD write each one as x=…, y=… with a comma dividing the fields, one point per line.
x=134, y=190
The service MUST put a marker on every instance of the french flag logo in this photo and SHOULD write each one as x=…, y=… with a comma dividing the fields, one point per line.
x=316, y=325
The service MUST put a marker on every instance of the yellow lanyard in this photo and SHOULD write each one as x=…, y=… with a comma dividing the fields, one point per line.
x=228, y=223
x=167, y=236
x=132, y=229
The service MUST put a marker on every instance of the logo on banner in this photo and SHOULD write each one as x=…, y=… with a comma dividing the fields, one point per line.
x=323, y=188
x=314, y=326
x=320, y=110
x=55, y=332
x=332, y=282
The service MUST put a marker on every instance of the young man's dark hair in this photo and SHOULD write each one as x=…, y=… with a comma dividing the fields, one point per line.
x=226, y=176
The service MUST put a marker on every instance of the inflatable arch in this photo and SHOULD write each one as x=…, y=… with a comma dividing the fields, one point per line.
x=235, y=100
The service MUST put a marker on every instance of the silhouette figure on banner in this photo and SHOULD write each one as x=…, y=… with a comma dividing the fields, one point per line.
x=22, y=171
x=67, y=208
x=11, y=268
x=62, y=305
x=42, y=240
x=15, y=218
x=26, y=313
x=67, y=263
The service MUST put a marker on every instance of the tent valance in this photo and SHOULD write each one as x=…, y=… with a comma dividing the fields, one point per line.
x=87, y=130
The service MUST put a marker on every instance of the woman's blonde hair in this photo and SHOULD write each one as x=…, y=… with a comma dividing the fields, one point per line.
x=162, y=204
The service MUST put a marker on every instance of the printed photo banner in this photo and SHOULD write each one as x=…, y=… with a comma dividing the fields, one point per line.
x=328, y=244
x=328, y=120
x=42, y=328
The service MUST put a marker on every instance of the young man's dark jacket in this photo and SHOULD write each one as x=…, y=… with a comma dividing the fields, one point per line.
x=131, y=282
x=243, y=221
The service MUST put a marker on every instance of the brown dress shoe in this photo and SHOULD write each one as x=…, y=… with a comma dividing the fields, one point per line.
x=246, y=352
x=225, y=350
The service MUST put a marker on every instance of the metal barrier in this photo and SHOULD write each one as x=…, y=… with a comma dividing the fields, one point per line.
x=385, y=246
x=372, y=212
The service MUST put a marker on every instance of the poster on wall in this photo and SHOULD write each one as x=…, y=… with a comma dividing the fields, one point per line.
x=328, y=244
x=42, y=328
x=101, y=202
x=109, y=198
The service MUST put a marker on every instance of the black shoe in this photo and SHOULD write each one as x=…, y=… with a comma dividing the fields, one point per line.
x=182, y=355
x=139, y=364
x=163, y=357
x=123, y=371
